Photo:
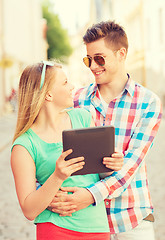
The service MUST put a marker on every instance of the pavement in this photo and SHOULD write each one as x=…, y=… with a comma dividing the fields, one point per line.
x=7, y=128
x=14, y=226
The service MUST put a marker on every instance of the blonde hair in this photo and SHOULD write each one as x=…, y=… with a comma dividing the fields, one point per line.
x=30, y=96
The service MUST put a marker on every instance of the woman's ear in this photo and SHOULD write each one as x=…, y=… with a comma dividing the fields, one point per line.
x=49, y=97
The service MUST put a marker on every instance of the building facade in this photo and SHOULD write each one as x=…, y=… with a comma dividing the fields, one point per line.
x=22, y=42
x=144, y=22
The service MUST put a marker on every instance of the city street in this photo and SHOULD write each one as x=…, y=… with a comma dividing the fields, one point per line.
x=14, y=226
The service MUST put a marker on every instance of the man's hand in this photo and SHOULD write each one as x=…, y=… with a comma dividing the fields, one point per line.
x=65, y=204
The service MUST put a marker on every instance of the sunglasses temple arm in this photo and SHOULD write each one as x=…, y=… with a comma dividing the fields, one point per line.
x=43, y=76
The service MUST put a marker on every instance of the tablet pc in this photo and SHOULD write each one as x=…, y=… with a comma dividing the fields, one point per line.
x=93, y=143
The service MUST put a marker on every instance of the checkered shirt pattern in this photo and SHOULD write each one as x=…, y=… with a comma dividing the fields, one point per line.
x=136, y=114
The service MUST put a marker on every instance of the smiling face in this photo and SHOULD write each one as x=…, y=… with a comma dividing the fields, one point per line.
x=61, y=91
x=113, y=61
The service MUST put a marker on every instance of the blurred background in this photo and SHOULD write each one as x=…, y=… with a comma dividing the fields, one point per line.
x=35, y=30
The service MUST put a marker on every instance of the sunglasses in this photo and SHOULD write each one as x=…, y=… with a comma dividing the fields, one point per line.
x=45, y=63
x=98, y=59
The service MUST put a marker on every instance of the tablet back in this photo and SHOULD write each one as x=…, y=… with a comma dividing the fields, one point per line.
x=93, y=143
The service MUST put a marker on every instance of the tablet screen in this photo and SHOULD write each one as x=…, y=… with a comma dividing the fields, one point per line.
x=93, y=143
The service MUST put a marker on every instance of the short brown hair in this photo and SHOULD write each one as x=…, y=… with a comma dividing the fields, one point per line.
x=113, y=34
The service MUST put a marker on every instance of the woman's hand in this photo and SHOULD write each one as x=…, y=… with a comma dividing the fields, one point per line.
x=65, y=168
x=65, y=204
x=115, y=162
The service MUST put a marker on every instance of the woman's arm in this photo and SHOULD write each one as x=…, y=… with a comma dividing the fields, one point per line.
x=65, y=204
x=33, y=201
x=81, y=198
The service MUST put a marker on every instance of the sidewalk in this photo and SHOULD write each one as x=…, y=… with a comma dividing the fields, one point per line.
x=7, y=128
x=13, y=224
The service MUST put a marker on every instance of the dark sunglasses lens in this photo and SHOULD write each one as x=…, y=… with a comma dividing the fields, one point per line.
x=99, y=60
x=87, y=61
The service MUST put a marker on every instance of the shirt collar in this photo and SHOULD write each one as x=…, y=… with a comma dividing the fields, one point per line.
x=93, y=88
x=129, y=87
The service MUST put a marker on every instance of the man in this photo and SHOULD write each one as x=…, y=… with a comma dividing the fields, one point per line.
x=115, y=99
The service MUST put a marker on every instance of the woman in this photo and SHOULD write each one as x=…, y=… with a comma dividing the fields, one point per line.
x=44, y=94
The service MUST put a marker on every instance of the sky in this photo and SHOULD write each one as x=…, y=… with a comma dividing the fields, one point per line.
x=72, y=13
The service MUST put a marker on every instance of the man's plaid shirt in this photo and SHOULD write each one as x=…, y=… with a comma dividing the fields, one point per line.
x=136, y=115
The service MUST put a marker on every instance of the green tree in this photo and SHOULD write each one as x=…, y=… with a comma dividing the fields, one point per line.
x=57, y=36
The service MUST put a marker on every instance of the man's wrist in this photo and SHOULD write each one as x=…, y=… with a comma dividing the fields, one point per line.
x=99, y=191
x=91, y=198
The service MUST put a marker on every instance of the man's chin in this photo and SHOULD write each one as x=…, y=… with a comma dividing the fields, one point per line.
x=71, y=105
x=99, y=81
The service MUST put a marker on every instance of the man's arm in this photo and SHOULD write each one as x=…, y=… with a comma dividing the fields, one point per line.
x=139, y=144
x=65, y=204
